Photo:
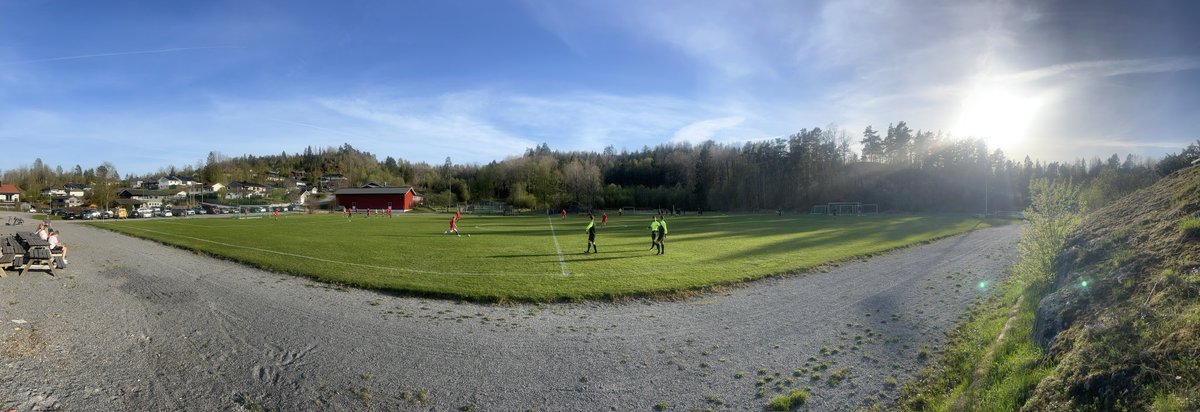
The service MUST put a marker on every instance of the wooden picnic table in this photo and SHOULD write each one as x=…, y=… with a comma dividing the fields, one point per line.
x=12, y=254
x=37, y=252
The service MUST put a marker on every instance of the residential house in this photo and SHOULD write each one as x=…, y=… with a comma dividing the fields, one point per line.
x=273, y=175
x=65, y=202
x=77, y=189
x=53, y=191
x=149, y=198
x=169, y=182
x=174, y=181
x=299, y=175
x=10, y=195
x=239, y=190
x=333, y=180
x=303, y=195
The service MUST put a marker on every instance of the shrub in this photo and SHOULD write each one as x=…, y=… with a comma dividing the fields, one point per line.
x=788, y=401
x=1190, y=227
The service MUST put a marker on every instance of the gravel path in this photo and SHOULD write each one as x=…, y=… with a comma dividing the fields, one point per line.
x=135, y=325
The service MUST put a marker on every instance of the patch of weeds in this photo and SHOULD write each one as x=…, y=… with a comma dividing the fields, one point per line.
x=762, y=371
x=761, y=392
x=798, y=373
x=364, y=395
x=421, y=397
x=583, y=379
x=825, y=350
x=250, y=404
x=739, y=375
x=838, y=376
x=815, y=376
x=923, y=353
x=890, y=383
x=786, y=402
x=467, y=407
x=661, y=406
x=1190, y=226
x=714, y=399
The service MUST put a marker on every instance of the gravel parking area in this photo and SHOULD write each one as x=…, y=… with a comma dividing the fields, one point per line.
x=135, y=325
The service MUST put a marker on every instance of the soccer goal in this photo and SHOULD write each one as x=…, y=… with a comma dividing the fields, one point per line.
x=489, y=207
x=845, y=208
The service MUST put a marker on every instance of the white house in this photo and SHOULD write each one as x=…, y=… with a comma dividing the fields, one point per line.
x=77, y=189
x=246, y=189
x=63, y=202
x=10, y=195
x=53, y=191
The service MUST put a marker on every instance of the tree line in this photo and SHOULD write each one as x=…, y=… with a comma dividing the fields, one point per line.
x=900, y=169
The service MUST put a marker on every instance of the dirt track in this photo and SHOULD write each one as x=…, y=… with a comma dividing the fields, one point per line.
x=134, y=325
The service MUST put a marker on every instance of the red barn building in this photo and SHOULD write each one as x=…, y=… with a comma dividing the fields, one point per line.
x=368, y=197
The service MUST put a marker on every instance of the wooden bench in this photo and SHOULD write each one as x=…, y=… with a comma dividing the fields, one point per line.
x=10, y=251
x=37, y=252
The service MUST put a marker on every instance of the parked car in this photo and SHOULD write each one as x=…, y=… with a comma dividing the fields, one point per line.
x=90, y=214
x=143, y=213
x=107, y=214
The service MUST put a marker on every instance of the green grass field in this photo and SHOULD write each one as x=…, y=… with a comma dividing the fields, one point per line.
x=509, y=258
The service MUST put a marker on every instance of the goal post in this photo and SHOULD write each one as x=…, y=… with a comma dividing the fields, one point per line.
x=845, y=208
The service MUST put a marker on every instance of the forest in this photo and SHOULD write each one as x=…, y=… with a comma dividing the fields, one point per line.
x=900, y=169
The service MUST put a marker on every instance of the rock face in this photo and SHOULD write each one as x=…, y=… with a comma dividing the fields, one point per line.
x=1117, y=318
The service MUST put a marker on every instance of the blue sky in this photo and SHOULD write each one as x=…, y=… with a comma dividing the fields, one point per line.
x=150, y=84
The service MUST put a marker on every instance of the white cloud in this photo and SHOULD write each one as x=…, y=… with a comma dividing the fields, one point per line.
x=705, y=129
x=1104, y=68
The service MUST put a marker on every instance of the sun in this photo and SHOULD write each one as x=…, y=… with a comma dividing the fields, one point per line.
x=999, y=116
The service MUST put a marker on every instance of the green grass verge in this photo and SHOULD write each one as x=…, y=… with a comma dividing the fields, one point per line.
x=514, y=258
x=1013, y=371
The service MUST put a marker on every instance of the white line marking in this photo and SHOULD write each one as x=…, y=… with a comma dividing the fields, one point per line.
x=561, y=262
x=427, y=272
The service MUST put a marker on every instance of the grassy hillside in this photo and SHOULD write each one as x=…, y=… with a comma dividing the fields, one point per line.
x=1113, y=323
x=519, y=258
x=1123, y=325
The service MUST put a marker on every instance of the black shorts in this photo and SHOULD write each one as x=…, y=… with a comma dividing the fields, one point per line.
x=660, y=236
x=591, y=237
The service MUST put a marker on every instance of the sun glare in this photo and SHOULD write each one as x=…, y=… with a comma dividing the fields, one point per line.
x=1001, y=117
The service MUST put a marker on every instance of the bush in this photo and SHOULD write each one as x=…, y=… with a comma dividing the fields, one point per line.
x=1190, y=227
x=788, y=401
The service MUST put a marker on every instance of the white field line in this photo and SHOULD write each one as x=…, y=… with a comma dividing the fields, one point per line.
x=561, y=262
x=428, y=272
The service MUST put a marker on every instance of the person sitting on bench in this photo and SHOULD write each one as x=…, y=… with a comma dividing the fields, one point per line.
x=43, y=231
x=57, y=247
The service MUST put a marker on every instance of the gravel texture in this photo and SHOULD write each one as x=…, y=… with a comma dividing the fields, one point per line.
x=136, y=325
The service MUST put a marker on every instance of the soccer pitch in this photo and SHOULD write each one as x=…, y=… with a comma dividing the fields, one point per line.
x=539, y=258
